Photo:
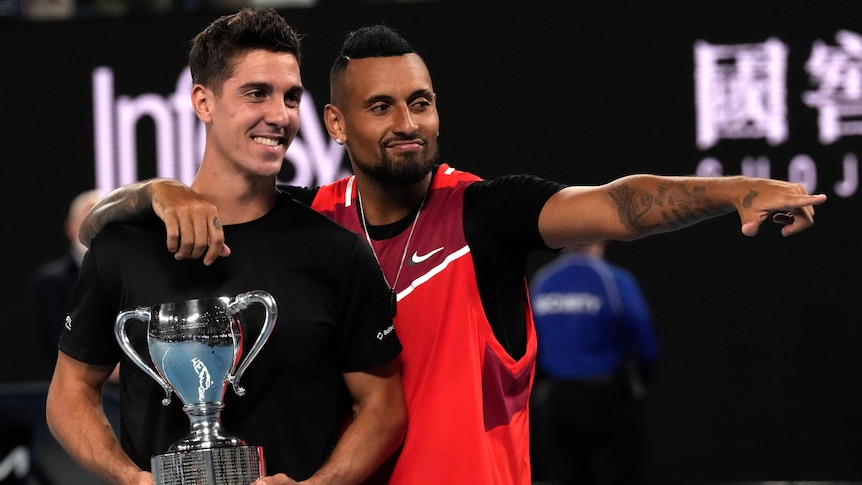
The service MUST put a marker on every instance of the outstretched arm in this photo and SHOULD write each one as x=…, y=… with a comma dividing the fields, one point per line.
x=640, y=205
x=375, y=432
x=76, y=418
x=191, y=221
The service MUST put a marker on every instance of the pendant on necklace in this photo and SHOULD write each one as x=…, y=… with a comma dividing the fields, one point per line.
x=393, y=297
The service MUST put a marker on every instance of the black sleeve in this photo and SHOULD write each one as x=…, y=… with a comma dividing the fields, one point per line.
x=504, y=212
x=88, y=335
x=367, y=335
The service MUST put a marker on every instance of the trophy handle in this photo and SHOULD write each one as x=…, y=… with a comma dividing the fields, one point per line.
x=240, y=302
x=142, y=314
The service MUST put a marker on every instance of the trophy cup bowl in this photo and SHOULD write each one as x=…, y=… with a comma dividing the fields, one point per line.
x=196, y=349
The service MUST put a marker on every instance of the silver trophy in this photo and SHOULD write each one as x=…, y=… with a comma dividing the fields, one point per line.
x=195, y=346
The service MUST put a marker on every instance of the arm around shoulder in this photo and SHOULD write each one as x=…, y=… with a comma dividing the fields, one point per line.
x=191, y=221
x=120, y=205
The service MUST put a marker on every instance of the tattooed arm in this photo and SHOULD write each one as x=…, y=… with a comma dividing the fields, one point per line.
x=182, y=210
x=639, y=205
x=123, y=204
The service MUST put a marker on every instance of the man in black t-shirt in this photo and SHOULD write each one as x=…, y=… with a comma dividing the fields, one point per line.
x=333, y=351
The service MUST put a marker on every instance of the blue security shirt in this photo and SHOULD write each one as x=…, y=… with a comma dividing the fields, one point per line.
x=590, y=318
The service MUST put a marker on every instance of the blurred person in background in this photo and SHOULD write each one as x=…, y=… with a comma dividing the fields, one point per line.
x=54, y=281
x=597, y=354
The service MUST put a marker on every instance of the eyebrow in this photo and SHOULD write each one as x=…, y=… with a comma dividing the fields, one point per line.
x=385, y=98
x=261, y=86
x=267, y=87
x=297, y=90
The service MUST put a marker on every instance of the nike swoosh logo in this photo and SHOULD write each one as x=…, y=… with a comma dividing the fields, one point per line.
x=416, y=259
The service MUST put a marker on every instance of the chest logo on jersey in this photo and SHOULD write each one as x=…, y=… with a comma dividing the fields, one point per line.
x=416, y=258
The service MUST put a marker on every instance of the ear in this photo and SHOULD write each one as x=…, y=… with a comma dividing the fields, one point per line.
x=201, y=99
x=334, y=120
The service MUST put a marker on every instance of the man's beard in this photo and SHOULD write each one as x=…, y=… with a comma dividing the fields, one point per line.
x=409, y=169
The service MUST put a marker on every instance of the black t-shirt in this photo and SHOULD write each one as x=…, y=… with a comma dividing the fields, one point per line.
x=333, y=317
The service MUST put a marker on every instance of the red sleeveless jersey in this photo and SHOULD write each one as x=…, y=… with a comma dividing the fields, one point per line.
x=467, y=399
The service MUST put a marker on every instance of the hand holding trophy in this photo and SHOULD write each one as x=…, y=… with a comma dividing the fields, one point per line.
x=195, y=346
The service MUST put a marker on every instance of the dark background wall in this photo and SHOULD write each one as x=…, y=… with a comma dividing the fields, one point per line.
x=760, y=369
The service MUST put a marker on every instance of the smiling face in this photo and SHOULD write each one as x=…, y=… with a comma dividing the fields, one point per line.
x=384, y=108
x=254, y=115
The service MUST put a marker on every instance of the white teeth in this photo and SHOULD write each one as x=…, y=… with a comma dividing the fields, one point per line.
x=270, y=142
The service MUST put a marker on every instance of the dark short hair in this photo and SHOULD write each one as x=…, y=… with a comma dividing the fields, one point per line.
x=370, y=41
x=215, y=49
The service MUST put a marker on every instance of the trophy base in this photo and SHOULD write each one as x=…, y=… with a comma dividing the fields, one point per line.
x=227, y=465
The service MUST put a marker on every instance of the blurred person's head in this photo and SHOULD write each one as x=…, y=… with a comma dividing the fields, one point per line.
x=79, y=208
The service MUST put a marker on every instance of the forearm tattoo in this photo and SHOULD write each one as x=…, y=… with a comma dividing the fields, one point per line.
x=677, y=205
x=89, y=228
x=749, y=198
x=133, y=204
x=123, y=210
